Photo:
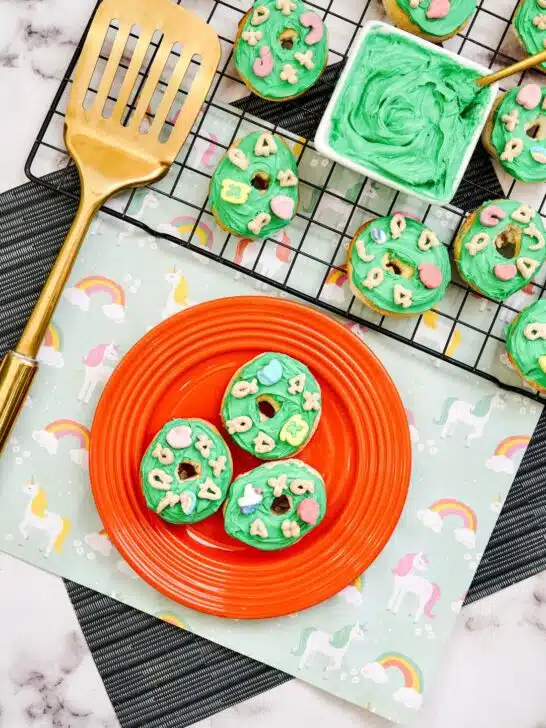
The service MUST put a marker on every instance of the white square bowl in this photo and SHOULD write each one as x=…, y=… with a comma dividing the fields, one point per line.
x=322, y=136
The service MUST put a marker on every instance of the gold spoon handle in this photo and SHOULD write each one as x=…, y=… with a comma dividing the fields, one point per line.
x=18, y=367
x=529, y=62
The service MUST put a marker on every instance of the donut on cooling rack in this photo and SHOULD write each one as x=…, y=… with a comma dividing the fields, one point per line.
x=186, y=471
x=281, y=49
x=526, y=344
x=515, y=132
x=530, y=27
x=434, y=20
x=398, y=266
x=272, y=406
x=500, y=248
x=254, y=191
x=275, y=505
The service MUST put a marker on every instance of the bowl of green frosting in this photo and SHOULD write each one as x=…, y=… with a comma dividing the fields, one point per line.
x=406, y=113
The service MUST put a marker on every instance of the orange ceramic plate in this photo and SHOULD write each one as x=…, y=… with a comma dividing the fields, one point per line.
x=361, y=447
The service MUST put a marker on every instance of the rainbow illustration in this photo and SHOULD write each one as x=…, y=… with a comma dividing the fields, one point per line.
x=242, y=245
x=411, y=418
x=100, y=284
x=53, y=337
x=506, y=452
x=337, y=277
x=413, y=677
x=185, y=225
x=446, y=507
x=171, y=619
x=512, y=445
x=69, y=428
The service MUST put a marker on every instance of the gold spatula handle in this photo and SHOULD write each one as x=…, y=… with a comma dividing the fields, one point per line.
x=18, y=367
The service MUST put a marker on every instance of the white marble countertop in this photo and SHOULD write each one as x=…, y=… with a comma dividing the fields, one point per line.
x=493, y=672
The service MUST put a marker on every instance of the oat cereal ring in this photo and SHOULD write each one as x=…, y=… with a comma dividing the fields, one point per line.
x=515, y=132
x=500, y=248
x=398, y=266
x=254, y=191
x=275, y=505
x=186, y=471
x=272, y=406
x=281, y=49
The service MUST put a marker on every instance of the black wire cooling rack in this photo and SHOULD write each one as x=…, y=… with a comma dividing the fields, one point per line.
x=322, y=235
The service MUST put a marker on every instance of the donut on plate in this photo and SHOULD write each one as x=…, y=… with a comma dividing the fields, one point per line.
x=434, y=20
x=526, y=344
x=275, y=505
x=500, y=248
x=272, y=406
x=186, y=471
x=398, y=266
x=515, y=133
x=254, y=191
x=281, y=49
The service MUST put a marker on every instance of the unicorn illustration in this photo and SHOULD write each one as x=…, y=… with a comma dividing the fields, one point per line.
x=178, y=295
x=334, y=646
x=97, y=370
x=37, y=516
x=434, y=331
x=405, y=582
x=475, y=416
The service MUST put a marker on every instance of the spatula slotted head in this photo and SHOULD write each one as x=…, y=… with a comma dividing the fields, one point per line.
x=109, y=134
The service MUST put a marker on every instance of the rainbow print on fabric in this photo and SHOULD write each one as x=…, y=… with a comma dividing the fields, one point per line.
x=50, y=436
x=507, y=452
x=80, y=295
x=414, y=433
x=435, y=515
x=171, y=619
x=381, y=671
x=337, y=277
x=186, y=224
x=50, y=352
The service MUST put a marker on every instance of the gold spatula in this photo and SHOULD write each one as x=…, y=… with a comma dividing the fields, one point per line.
x=111, y=155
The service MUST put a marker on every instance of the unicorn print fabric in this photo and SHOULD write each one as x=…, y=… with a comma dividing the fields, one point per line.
x=379, y=642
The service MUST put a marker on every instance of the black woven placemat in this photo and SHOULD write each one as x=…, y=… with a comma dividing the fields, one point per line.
x=156, y=675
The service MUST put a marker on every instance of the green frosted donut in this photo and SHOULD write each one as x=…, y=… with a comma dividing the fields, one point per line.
x=500, y=248
x=275, y=505
x=521, y=112
x=186, y=471
x=272, y=406
x=438, y=18
x=526, y=344
x=398, y=266
x=254, y=189
x=281, y=48
x=530, y=25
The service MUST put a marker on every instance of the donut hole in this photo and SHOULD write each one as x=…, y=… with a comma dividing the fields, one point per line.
x=267, y=407
x=280, y=505
x=260, y=181
x=288, y=38
x=508, y=242
x=394, y=265
x=188, y=470
x=537, y=129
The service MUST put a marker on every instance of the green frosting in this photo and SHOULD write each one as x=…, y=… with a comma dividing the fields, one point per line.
x=273, y=86
x=164, y=481
x=285, y=385
x=460, y=11
x=530, y=164
x=532, y=37
x=480, y=269
x=237, y=215
x=430, y=265
x=408, y=113
x=286, y=492
x=525, y=351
